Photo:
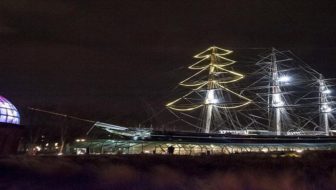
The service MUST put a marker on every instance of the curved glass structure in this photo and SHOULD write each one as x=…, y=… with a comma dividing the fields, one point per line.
x=8, y=112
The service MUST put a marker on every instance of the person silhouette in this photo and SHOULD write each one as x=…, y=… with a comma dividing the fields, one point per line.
x=171, y=150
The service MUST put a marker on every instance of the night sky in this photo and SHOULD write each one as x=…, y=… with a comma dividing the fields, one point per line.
x=120, y=60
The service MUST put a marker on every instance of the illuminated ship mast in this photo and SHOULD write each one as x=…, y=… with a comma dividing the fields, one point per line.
x=291, y=106
x=269, y=93
x=277, y=102
x=210, y=90
x=324, y=103
x=210, y=94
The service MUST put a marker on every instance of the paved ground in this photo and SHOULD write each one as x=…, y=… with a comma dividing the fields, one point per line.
x=314, y=170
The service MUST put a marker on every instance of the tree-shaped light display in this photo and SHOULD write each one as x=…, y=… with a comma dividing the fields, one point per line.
x=208, y=85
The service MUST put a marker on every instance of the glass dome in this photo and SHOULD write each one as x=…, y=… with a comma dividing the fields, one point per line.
x=8, y=112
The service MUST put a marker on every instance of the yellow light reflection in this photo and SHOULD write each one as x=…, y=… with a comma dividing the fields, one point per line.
x=219, y=64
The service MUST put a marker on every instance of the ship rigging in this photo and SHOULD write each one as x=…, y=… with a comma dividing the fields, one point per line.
x=284, y=96
x=281, y=104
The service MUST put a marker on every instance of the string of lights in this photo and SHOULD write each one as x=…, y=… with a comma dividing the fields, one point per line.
x=215, y=95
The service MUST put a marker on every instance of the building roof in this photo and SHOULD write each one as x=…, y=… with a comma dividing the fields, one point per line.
x=8, y=112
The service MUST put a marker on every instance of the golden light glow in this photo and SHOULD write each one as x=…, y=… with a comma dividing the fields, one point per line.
x=195, y=84
x=240, y=76
x=217, y=62
x=183, y=83
x=186, y=109
x=171, y=104
x=232, y=72
x=232, y=107
x=194, y=66
x=207, y=53
x=226, y=89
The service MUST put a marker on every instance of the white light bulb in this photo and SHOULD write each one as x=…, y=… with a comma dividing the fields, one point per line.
x=284, y=79
x=326, y=91
x=211, y=97
x=326, y=109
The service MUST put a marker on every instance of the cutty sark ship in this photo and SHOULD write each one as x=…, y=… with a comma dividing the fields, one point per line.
x=280, y=104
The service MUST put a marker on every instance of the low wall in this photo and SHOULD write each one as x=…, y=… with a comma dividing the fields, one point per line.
x=9, y=138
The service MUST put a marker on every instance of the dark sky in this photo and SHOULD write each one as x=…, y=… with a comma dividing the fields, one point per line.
x=110, y=60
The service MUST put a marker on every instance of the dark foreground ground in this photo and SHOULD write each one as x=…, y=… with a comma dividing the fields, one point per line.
x=314, y=170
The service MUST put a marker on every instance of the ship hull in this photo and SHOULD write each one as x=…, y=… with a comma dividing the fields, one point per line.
x=185, y=137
